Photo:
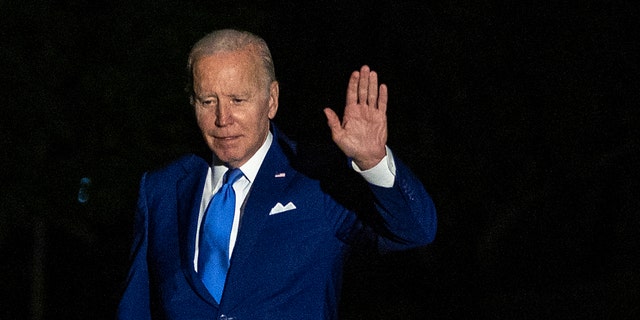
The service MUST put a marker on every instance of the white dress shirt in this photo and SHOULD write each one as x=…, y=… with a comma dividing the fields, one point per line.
x=382, y=175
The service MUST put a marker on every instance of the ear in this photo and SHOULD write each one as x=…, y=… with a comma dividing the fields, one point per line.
x=274, y=92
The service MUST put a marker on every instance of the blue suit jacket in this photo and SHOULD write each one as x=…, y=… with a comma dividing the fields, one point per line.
x=284, y=266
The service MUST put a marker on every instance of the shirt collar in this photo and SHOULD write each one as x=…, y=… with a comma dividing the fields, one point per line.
x=251, y=167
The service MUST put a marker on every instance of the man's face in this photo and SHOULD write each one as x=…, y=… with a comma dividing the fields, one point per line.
x=233, y=104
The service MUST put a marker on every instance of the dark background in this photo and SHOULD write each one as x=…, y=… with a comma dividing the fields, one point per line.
x=521, y=120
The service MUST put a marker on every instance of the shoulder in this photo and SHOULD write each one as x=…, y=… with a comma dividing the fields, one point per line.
x=175, y=170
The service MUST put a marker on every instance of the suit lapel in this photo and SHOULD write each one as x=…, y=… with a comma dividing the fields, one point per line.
x=274, y=175
x=189, y=194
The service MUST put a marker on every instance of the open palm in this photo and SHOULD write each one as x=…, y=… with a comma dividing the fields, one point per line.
x=362, y=134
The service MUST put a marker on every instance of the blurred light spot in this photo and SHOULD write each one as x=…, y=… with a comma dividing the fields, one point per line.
x=83, y=192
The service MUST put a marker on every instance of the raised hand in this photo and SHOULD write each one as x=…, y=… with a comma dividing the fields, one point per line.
x=362, y=134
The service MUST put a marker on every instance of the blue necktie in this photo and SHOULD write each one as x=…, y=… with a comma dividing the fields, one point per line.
x=213, y=259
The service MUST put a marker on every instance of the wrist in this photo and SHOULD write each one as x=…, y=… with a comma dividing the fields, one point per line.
x=370, y=162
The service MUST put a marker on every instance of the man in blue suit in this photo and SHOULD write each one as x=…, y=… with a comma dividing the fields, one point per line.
x=289, y=232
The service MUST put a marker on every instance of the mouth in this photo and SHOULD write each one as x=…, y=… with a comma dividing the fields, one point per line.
x=226, y=138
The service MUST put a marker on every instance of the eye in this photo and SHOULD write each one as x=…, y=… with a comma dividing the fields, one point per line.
x=207, y=103
x=237, y=100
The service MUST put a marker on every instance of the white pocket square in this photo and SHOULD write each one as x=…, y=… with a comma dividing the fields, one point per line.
x=279, y=208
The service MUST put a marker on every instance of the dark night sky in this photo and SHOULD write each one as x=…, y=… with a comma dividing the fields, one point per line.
x=520, y=119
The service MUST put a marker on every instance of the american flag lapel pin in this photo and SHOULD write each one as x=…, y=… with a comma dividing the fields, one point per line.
x=280, y=175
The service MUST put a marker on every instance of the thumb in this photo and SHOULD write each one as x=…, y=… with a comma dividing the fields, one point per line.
x=332, y=119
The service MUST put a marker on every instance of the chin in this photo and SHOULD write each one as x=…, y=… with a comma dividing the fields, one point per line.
x=226, y=157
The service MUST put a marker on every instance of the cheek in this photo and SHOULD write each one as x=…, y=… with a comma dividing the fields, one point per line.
x=204, y=121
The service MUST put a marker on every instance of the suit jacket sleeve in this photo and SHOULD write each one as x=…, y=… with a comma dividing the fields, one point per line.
x=135, y=302
x=407, y=212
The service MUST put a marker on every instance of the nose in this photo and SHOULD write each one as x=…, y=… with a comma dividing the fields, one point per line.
x=224, y=115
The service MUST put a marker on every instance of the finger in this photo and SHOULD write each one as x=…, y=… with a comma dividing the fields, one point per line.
x=332, y=119
x=383, y=98
x=352, y=88
x=372, y=99
x=363, y=85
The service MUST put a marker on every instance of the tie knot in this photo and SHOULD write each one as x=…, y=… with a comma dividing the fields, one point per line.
x=231, y=176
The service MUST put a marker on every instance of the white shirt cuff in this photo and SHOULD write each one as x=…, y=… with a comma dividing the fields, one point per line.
x=383, y=174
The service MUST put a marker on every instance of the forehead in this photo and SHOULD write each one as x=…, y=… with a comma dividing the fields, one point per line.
x=244, y=62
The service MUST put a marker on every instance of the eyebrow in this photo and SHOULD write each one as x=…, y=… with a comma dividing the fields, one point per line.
x=205, y=96
x=243, y=94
